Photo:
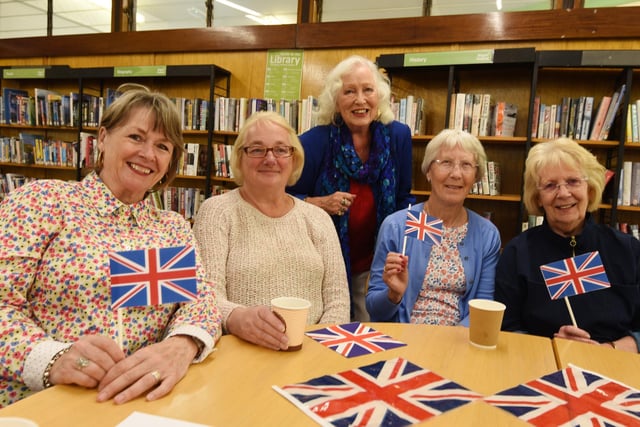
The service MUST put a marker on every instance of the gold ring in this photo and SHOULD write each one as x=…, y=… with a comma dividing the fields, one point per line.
x=82, y=362
x=155, y=375
x=344, y=202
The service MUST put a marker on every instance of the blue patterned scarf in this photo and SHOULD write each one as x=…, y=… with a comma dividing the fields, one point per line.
x=343, y=164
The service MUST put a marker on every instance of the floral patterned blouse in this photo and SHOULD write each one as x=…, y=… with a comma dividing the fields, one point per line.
x=54, y=269
x=444, y=282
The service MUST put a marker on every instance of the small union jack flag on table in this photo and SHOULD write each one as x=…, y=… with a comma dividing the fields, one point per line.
x=577, y=275
x=422, y=226
x=153, y=276
x=389, y=393
x=571, y=397
x=354, y=339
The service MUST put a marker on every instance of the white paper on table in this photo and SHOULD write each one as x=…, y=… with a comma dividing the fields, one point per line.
x=139, y=419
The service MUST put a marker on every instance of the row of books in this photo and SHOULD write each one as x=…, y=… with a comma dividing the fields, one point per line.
x=490, y=183
x=577, y=118
x=481, y=116
x=11, y=181
x=410, y=111
x=633, y=121
x=629, y=184
x=185, y=201
x=49, y=108
x=221, y=158
x=193, y=113
x=231, y=113
x=32, y=149
x=629, y=229
x=532, y=221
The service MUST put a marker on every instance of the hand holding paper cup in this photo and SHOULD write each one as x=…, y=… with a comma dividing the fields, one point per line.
x=293, y=312
x=485, y=320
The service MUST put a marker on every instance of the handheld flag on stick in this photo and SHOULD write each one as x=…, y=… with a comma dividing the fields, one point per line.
x=422, y=226
x=152, y=277
x=576, y=275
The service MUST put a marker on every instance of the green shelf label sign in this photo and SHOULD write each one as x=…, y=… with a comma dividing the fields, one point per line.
x=480, y=56
x=23, y=73
x=141, y=71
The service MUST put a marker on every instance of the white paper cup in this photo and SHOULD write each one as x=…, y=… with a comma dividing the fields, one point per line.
x=16, y=422
x=485, y=320
x=293, y=312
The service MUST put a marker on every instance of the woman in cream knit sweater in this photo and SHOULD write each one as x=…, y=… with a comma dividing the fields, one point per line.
x=258, y=243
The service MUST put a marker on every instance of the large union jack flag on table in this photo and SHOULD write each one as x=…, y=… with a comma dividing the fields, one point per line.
x=354, y=339
x=153, y=276
x=387, y=393
x=423, y=226
x=571, y=397
x=577, y=275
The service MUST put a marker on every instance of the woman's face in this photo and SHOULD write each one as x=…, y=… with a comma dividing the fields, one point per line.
x=563, y=194
x=357, y=100
x=269, y=173
x=136, y=157
x=452, y=174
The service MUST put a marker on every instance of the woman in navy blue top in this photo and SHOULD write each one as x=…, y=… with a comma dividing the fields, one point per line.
x=564, y=182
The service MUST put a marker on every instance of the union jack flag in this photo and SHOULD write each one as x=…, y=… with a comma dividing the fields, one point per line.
x=571, y=397
x=423, y=226
x=577, y=275
x=387, y=393
x=354, y=339
x=153, y=276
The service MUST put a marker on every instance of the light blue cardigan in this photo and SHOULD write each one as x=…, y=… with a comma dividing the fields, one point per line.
x=479, y=251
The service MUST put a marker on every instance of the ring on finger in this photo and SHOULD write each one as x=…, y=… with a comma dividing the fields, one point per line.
x=156, y=375
x=82, y=362
x=343, y=202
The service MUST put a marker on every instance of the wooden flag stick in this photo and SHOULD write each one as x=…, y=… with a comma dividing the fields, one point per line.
x=573, y=319
x=404, y=242
x=120, y=332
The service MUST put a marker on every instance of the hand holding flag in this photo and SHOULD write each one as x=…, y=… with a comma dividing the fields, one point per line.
x=151, y=277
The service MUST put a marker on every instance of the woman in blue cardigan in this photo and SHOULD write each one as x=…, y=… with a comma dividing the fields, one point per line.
x=431, y=281
x=357, y=165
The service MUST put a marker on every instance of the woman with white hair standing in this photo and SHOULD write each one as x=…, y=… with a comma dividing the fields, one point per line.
x=358, y=165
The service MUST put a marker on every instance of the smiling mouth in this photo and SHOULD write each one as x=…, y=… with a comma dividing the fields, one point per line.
x=361, y=111
x=569, y=206
x=140, y=169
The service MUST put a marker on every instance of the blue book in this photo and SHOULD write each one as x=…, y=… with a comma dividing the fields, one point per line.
x=12, y=99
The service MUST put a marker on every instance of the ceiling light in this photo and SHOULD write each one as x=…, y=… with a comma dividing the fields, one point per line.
x=264, y=20
x=238, y=7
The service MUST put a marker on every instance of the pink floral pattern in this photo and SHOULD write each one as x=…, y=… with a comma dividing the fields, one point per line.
x=444, y=282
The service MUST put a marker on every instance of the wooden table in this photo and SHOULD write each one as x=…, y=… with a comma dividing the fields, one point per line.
x=234, y=386
x=618, y=365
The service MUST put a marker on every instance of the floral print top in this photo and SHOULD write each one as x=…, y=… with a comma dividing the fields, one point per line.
x=54, y=269
x=444, y=282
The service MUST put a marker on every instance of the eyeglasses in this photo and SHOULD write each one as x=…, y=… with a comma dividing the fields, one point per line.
x=258, y=151
x=449, y=165
x=553, y=187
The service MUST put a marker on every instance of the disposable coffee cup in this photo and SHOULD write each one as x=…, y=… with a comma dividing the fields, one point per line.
x=293, y=312
x=16, y=422
x=485, y=320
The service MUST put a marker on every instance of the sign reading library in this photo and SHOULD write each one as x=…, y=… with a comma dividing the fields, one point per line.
x=283, y=77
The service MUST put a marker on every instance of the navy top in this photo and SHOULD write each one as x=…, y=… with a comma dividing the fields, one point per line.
x=607, y=314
